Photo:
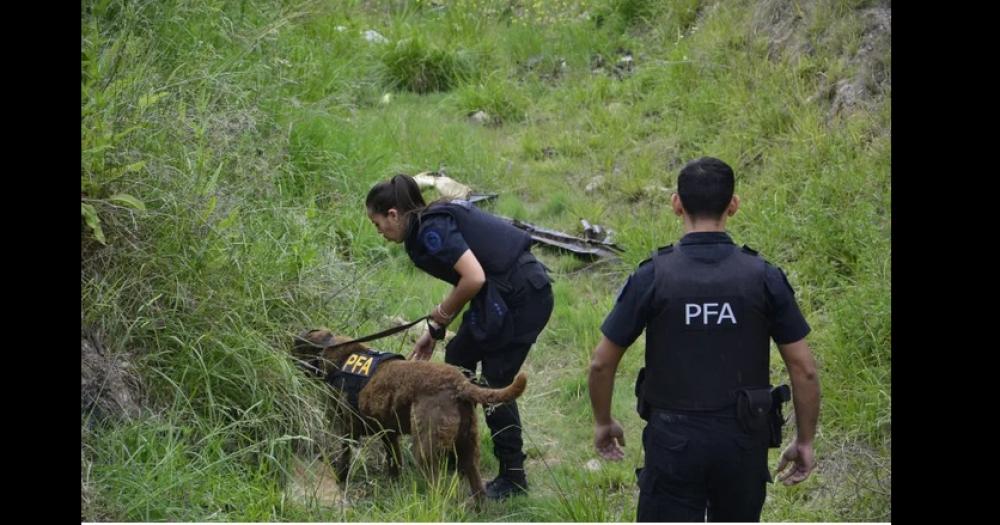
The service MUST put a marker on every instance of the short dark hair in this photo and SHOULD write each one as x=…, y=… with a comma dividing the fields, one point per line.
x=706, y=187
x=400, y=192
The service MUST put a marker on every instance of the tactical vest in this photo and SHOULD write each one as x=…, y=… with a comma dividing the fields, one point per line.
x=711, y=336
x=357, y=369
x=495, y=243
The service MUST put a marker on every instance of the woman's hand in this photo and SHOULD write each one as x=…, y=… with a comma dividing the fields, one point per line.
x=424, y=348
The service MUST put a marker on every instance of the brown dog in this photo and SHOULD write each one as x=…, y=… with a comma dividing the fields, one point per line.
x=434, y=402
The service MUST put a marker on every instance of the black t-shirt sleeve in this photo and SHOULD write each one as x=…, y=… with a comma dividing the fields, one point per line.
x=787, y=325
x=632, y=308
x=439, y=237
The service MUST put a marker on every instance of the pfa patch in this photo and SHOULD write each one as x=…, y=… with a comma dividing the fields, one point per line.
x=363, y=363
x=710, y=313
x=359, y=364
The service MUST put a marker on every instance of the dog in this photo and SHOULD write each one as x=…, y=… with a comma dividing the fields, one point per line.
x=434, y=402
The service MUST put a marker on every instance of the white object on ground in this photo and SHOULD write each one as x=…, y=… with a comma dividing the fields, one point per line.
x=373, y=36
x=448, y=188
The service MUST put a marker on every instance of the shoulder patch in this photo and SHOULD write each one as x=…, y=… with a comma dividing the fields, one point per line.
x=432, y=240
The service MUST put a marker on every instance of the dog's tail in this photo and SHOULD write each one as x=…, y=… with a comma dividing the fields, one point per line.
x=478, y=394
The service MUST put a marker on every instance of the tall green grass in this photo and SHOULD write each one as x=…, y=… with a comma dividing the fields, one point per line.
x=226, y=151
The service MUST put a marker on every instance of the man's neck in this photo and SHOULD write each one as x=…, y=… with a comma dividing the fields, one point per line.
x=704, y=226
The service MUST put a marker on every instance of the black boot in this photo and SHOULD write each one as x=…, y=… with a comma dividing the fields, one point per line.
x=510, y=482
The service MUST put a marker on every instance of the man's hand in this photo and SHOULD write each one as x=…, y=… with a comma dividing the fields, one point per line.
x=424, y=348
x=606, y=441
x=608, y=433
x=800, y=456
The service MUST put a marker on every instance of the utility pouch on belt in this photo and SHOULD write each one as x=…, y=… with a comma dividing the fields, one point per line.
x=752, y=408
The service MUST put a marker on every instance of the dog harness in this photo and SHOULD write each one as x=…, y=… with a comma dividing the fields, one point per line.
x=359, y=367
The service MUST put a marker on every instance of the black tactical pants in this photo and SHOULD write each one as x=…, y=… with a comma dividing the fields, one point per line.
x=500, y=365
x=701, y=467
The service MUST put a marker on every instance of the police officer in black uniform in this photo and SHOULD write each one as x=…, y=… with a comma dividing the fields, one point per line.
x=709, y=309
x=490, y=264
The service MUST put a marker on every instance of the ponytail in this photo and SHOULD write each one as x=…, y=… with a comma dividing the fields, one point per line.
x=400, y=192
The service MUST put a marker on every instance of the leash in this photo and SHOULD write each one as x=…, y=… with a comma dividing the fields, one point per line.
x=435, y=331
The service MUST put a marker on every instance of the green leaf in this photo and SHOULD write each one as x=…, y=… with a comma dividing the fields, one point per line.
x=108, y=57
x=97, y=149
x=90, y=216
x=135, y=166
x=148, y=100
x=210, y=208
x=229, y=220
x=101, y=7
x=210, y=184
x=118, y=136
x=128, y=200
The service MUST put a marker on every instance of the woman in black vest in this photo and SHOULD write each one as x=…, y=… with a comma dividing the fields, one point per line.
x=489, y=262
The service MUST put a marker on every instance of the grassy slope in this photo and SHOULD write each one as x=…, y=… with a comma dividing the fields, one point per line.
x=251, y=133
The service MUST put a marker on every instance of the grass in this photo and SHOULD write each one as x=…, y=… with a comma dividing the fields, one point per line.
x=226, y=151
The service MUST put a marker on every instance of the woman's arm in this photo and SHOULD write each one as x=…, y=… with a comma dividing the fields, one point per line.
x=472, y=278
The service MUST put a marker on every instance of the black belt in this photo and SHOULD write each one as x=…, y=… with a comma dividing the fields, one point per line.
x=728, y=411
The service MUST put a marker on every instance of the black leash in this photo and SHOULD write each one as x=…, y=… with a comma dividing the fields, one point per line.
x=436, y=331
x=365, y=339
x=313, y=365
